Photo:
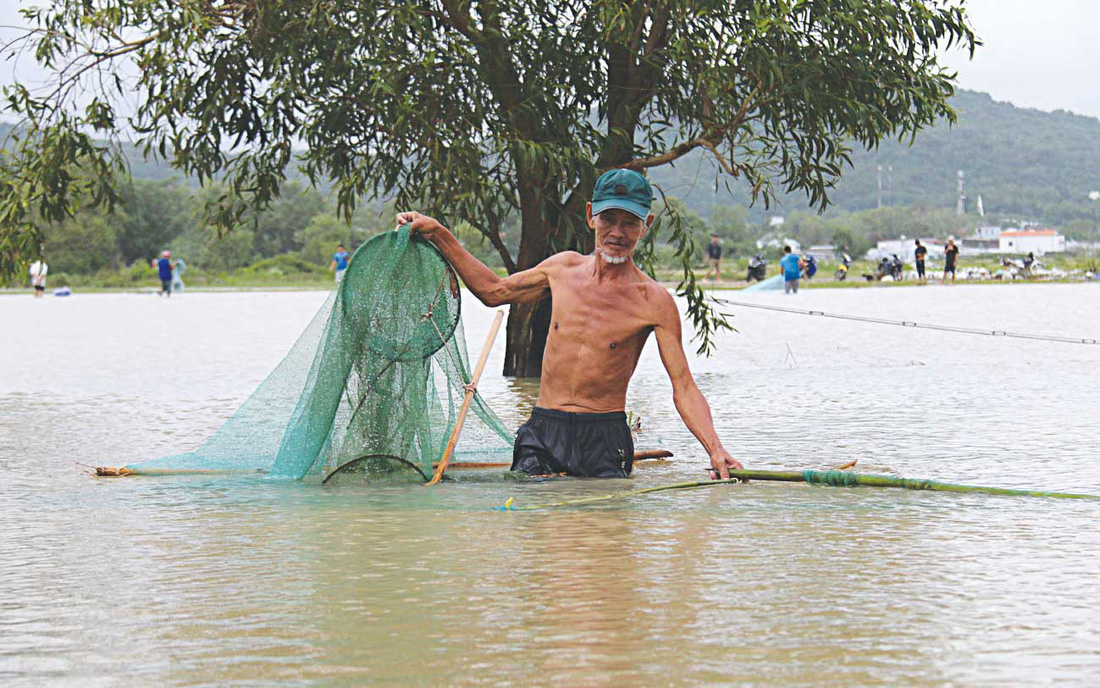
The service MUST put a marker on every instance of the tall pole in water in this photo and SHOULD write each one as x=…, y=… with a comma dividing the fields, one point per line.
x=960, y=207
x=878, y=175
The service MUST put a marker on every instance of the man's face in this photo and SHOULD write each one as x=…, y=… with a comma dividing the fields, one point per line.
x=617, y=232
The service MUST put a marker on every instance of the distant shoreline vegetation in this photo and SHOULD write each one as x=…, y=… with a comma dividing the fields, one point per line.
x=289, y=272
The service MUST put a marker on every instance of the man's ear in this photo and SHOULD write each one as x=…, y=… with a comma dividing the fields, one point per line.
x=588, y=214
x=648, y=223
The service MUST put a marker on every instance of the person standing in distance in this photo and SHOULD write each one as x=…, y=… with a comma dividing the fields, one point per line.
x=714, y=256
x=792, y=270
x=38, y=272
x=919, y=255
x=164, y=267
x=950, y=258
x=178, y=268
x=339, y=262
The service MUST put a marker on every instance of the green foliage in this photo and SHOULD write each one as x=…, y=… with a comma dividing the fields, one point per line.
x=1083, y=230
x=477, y=244
x=156, y=212
x=475, y=111
x=278, y=228
x=731, y=225
x=227, y=252
x=285, y=266
x=845, y=241
x=321, y=236
x=85, y=244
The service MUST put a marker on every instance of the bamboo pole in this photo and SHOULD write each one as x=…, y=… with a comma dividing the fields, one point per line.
x=833, y=478
x=471, y=389
x=125, y=471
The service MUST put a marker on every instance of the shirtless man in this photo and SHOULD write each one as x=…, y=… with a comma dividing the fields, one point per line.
x=604, y=309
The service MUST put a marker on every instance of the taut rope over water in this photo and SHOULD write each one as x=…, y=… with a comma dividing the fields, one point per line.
x=909, y=323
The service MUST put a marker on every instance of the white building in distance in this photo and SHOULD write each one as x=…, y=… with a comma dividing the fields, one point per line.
x=821, y=252
x=1031, y=241
x=905, y=249
x=778, y=241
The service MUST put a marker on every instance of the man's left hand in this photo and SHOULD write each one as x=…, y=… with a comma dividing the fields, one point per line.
x=721, y=463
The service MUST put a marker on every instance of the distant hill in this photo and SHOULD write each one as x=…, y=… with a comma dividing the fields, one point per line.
x=1024, y=163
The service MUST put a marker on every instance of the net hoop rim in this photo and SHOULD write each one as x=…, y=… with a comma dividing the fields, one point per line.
x=358, y=459
x=450, y=273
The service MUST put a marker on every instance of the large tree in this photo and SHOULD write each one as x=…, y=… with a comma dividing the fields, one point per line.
x=473, y=110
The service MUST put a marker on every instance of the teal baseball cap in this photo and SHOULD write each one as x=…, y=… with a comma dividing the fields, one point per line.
x=623, y=189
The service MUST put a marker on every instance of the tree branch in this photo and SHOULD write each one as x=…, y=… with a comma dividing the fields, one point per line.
x=709, y=140
x=668, y=156
x=636, y=39
x=493, y=234
x=458, y=20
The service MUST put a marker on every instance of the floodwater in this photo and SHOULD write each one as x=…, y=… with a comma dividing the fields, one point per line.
x=206, y=581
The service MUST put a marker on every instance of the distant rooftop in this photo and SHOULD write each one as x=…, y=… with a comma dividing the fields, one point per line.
x=1029, y=232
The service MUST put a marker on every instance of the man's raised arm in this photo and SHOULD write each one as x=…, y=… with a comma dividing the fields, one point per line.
x=486, y=285
x=690, y=402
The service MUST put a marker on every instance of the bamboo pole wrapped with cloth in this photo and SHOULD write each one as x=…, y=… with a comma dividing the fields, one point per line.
x=833, y=478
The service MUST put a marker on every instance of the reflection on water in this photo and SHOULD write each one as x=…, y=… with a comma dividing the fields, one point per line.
x=215, y=581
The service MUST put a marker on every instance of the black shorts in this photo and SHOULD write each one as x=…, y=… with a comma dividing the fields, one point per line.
x=949, y=268
x=920, y=268
x=39, y=287
x=166, y=286
x=590, y=445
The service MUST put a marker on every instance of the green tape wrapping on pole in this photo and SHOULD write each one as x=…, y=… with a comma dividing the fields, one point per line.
x=827, y=478
x=845, y=479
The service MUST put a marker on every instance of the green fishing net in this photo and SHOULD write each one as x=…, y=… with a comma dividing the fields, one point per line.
x=372, y=387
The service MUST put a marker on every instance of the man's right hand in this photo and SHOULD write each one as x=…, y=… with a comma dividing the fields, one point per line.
x=721, y=463
x=420, y=224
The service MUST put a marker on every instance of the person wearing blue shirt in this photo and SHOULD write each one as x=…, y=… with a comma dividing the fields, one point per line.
x=339, y=262
x=164, y=268
x=791, y=266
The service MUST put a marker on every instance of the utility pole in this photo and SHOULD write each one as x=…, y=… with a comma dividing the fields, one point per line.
x=878, y=176
x=960, y=207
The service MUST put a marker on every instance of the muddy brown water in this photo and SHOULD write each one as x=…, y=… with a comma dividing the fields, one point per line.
x=231, y=581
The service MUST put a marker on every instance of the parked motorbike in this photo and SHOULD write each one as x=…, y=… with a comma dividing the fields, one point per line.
x=1020, y=269
x=892, y=268
x=809, y=266
x=842, y=271
x=758, y=269
x=882, y=269
x=897, y=268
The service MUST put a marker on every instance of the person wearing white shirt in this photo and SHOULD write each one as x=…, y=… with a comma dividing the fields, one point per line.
x=38, y=271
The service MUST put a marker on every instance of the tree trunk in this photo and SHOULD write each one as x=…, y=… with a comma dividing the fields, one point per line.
x=529, y=323
x=528, y=326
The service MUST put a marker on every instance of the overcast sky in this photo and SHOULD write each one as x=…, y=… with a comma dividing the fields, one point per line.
x=1041, y=54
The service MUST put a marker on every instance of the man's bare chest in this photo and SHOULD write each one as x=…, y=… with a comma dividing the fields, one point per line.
x=601, y=314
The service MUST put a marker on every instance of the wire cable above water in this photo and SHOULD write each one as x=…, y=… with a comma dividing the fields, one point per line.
x=916, y=325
